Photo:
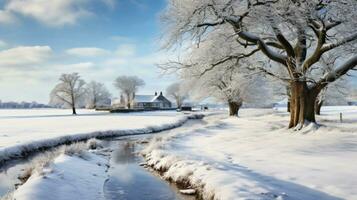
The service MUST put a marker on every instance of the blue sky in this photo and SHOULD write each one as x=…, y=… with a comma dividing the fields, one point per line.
x=100, y=39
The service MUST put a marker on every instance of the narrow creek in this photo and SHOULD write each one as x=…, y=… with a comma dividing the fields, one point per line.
x=127, y=178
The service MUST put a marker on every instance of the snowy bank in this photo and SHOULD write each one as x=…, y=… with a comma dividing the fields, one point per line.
x=66, y=179
x=256, y=157
x=25, y=133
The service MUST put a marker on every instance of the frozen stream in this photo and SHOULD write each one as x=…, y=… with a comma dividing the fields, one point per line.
x=127, y=179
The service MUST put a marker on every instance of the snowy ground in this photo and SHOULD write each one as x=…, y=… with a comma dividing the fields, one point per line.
x=256, y=157
x=70, y=172
x=23, y=130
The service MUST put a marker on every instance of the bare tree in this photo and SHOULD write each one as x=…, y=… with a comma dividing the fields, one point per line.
x=97, y=94
x=69, y=91
x=227, y=84
x=293, y=34
x=176, y=92
x=206, y=75
x=128, y=85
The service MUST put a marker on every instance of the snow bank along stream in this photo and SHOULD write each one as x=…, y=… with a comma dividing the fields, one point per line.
x=49, y=136
x=121, y=173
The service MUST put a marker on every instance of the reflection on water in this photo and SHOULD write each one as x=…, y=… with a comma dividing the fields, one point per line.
x=124, y=154
x=130, y=181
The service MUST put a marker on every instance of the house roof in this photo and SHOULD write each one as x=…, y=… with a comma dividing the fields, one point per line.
x=151, y=98
x=145, y=98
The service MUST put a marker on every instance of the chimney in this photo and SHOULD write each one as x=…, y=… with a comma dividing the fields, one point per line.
x=160, y=93
x=155, y=93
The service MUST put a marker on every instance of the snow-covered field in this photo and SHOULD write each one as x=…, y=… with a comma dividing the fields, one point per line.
x=256, y=157
x=251, y=157
x=24, y=130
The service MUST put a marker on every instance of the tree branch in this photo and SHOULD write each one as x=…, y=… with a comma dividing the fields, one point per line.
x=263, y=47
x=263, y=70
x=228, y=58
x=282, y=40
x=340, y=71
x=330, y=46
x=315, y=57
x=331, y=25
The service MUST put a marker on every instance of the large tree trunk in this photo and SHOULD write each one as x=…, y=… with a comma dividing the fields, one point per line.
x=302, y=105
x=74, y=110
x=234, y=108
x=318, y=106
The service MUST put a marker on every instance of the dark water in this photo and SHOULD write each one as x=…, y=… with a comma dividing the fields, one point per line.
x=128, y=180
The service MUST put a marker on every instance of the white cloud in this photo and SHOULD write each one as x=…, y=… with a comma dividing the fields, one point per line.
x=126, y=50
x=79, y=66
x=50, y=12
x=32, y=71
x=6, y=17
x=123, y=51
x=24, y=56
x=139, y=4
x=87, y=51
x=115, y=62
x=3, y=44
x=110, y=3
x=119, y=38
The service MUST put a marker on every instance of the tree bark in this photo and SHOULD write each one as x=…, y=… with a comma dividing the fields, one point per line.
x=288, y=106
x=94, y=102
x=318, y=107
x=234, y=108
x=128, y=100
x=74, y=110
x=302, y=106
x=178, y=103
x=288, y=93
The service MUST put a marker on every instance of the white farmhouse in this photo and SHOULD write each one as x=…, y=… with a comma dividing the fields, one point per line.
x=151, y=101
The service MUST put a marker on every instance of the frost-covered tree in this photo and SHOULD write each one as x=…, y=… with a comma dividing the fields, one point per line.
x=128, y=86
x=294, y=34
x=69, y=91
x=207, y=72
x=176, y=92
x=226, y=85
x=97, y=94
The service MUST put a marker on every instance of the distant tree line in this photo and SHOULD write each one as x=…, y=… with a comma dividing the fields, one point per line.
x=22, y=105
x=73, y=92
